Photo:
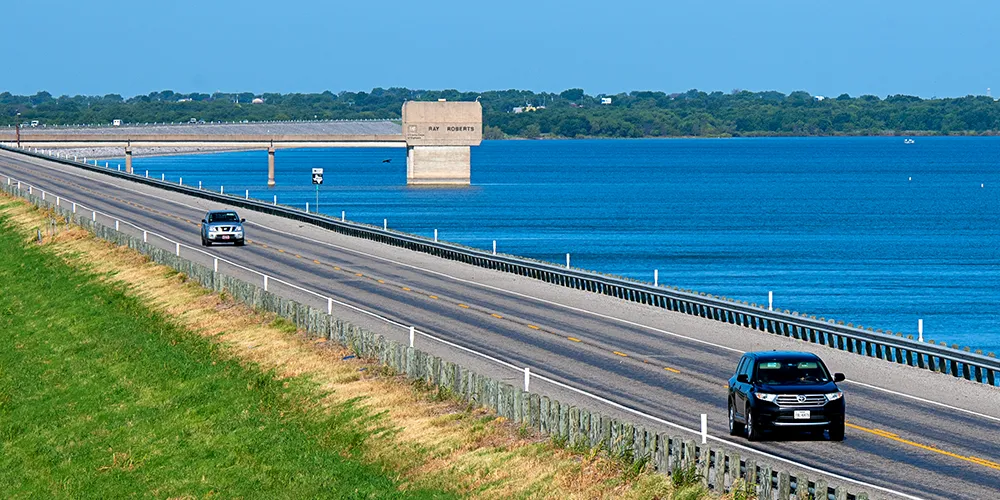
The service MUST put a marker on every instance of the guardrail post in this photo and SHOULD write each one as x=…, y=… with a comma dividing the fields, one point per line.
x=385, y=224
x=307, y=207
x=163, y=177
x=30, y=188
x=180, y=181
x=343, y=216
x=527, y=378
x=770, y=301
x=57, y=201
x=275, y=199
x=116, y=225
x=178, y=249
x=567, y=261
x=494, y=247
x=222, y=189
x=920, y=330
x=74, y=207
x=656, y=277
x=106, y=165
x=199, y=184
x=265, y=282
x=248, y=194
x=412, y=334
x=215, y=264
x=93, y=215
x=147, y=174
x=145, y=239
x=435, y=235
x=329, y=306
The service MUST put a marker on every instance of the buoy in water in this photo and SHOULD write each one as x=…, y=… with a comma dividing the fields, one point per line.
x=911, y=178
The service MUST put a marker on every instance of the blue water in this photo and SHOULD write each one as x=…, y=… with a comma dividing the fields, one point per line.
x=866, y=230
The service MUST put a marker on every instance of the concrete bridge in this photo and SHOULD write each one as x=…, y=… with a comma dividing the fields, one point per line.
x=437, y=136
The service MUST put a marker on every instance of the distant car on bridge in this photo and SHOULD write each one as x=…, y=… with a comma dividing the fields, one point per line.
x=222, y=226
x=785, y=390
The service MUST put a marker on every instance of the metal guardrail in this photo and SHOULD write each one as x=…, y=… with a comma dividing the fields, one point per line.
x=961, y=364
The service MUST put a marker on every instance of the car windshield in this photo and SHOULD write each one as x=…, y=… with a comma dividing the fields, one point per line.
x=224, y=217
x=791, y=372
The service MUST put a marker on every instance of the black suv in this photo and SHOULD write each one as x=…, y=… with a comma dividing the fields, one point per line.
x=785, y=390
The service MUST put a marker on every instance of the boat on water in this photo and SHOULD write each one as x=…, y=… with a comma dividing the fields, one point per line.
x=908, y=141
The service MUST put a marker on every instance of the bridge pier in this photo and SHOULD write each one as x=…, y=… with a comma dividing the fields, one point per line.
x=270, y=166
x=128, y=159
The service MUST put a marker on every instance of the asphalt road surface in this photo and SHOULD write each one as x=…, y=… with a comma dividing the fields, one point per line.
x=910, y=431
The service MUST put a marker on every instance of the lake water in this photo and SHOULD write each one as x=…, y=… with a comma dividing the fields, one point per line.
x=866, y=230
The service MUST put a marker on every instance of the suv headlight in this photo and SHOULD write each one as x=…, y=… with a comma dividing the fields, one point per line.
x=765, y=397
x=833, y=396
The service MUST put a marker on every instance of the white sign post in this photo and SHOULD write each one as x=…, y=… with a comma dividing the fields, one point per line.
x=317, y=180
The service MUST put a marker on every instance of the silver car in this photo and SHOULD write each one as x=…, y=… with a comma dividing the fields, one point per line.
x=222, y=226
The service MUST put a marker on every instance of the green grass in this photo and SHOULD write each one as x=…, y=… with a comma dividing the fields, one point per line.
x=102, y=398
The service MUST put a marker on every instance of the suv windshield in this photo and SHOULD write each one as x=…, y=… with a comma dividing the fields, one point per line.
x=791, y=372
x=224, y=217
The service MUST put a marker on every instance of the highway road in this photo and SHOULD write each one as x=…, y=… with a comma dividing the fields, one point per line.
x=914, y=432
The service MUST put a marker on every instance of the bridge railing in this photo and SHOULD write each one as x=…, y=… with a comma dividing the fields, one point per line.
x=895, y=349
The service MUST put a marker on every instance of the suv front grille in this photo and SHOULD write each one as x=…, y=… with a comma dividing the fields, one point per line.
x=800, y=401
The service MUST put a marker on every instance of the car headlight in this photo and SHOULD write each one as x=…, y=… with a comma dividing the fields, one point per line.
x=833, y=396
x=765, y=397
x=211, y=234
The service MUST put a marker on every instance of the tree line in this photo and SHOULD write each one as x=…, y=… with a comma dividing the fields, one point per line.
x=571, y=113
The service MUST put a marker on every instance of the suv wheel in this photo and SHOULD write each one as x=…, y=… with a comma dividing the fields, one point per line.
x=837, y=430
x=752, y=432
x=734, y=427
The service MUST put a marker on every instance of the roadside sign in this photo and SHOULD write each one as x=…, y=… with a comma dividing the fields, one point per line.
x=317, y=176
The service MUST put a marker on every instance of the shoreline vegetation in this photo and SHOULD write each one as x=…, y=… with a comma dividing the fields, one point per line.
x=530, y=115
x=118, y=377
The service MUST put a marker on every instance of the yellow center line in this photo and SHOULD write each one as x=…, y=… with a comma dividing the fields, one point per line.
x=316, y=261
x=263, y=245
x=674, y=370
x=335, y=268
x=463, y=306
x=380, y=281
x=495, y=315
x=298, y=256
x=433, y=297
x=533, y=327
x=622, y=354
x=574, y=339
x=406, y=289
x=281, y=251
x=358, y=274
x=894, y=437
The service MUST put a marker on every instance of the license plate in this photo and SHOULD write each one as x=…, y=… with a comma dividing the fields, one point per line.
x=226, y=237
x=801, y=414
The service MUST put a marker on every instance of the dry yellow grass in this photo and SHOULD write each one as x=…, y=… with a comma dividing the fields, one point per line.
x=430, y=442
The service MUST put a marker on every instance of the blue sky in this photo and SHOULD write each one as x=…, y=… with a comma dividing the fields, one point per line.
x=880, y=47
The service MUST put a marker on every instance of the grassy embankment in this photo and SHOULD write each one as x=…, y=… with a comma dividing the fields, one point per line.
x=117, y=377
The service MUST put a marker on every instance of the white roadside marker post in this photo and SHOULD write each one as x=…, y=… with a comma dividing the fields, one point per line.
x=704, y=428
x=413, y=332
x=920, y=330
x=770, y=301
x=527, y=378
